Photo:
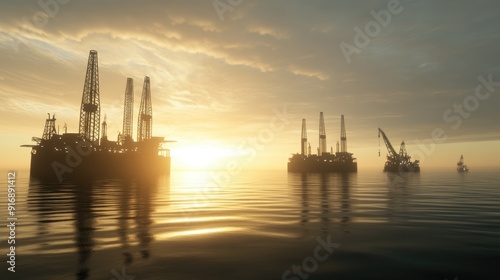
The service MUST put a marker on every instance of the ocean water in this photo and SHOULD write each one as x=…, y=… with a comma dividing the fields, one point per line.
x=258, y=225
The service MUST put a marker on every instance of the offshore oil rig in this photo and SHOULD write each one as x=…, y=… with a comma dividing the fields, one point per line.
x=461, y=166
x=89, y=153
x=323, y=161
x=397, y=162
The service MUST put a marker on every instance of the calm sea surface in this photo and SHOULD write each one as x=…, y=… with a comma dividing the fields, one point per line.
x=258, y=225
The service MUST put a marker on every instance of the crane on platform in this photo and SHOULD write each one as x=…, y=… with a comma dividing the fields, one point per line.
x=397, y=162
x=390, y=149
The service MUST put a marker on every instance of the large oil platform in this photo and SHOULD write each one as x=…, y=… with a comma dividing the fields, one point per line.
x=89, y=153
x=397, y=162
x=323, y=161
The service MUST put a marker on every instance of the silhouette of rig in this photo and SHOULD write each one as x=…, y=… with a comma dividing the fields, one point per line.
x=397, y=162
x=71, y=156
x=323, y=161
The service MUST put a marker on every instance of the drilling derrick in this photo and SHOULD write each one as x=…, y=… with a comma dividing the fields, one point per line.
x=145, y=123
x=90, y=107
x=322, y=135
x=104, y=137
x=403, y=155
x=50, y=128
x=343, y=137
x=402, y=151
x=303, y=139
x=128, y=109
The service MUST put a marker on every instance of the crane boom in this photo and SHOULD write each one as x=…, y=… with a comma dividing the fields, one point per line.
x=391, y=150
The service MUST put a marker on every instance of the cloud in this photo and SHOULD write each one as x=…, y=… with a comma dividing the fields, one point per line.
x=308, y=73
x=264, y=54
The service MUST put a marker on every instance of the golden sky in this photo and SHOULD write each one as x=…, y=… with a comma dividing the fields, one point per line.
x=232, y=80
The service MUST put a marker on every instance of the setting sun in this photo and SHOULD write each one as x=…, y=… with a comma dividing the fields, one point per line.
x=201, y=157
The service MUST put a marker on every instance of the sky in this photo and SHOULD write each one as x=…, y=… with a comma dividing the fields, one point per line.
x=231, y=80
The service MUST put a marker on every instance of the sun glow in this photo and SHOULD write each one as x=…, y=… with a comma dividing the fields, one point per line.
x=200, y=158
x=195, y=232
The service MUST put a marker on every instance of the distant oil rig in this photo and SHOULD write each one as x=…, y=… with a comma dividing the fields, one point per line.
x=397, y=162
x=323, y=161
x=461, y=166
x=72, y=156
